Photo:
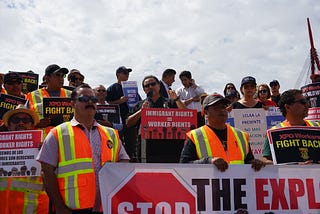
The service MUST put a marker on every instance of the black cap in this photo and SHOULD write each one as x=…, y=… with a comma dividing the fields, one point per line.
x=54, y=69
x=248, y=79
x=274, y=83
x=12, y=77
x=123, y=69
x=213, y=99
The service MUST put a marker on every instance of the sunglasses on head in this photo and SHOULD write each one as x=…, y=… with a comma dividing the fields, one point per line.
x=273, y=84
x=150, y=84
x=301, y=101
x=16, y=120
x=85, y=99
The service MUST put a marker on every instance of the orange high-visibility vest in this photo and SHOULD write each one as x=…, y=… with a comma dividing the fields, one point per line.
x=29, y=195
x=75, y=171
x=36, y=97
x=25, y=195
x=286, y=124
x=36, y=103
x=209, y=145
x=4, y=194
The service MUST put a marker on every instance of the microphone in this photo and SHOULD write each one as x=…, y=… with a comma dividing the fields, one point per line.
x=149, y=95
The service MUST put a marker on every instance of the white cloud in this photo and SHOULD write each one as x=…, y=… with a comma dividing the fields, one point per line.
x=218, y=41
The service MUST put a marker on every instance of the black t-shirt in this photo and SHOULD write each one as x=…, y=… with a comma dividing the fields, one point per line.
x=114, y=92
x=238, y=105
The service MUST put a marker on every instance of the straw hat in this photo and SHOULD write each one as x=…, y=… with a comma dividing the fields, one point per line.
x=20, y=109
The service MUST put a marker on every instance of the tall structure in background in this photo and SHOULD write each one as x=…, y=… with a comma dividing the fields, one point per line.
x=315, y=65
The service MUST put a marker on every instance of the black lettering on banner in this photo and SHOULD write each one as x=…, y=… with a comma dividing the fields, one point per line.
x=239, y=194
x=223, y=193
x=201, y=192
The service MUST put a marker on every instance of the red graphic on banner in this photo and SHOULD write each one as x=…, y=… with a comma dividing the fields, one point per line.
x=162, y=123
x=153, y=192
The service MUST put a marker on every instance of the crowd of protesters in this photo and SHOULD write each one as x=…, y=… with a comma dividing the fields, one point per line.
x=76, y=150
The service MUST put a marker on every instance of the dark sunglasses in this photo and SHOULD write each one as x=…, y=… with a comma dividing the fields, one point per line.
x=60, y=75
x=17, y=120
x=13, y=83
x=301, y=101
x=263, y=91
x=85, y=99
x=101, y=90
x=230, y=87
x=76, y=78
x=150, y=84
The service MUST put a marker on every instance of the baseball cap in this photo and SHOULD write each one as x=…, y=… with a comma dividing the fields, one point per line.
x=20, y=109
x=213, y=99
x=274, y=83
x=123, y=69
x=11, y=77
x=248, y=79
x=54, y=69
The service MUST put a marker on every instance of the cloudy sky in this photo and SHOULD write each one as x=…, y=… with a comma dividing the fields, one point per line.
x=219, y=41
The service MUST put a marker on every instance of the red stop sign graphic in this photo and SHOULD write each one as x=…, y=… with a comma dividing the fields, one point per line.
x=153, y=192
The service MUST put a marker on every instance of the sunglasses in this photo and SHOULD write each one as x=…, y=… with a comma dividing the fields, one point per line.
x=263, y=91
x=85, y=99
x=230, y=87
x=273, y=84
x=60, y=75
x=301, y=101
x=150, y=84
x=16, y=120
x=13, y=83
x=101, y=90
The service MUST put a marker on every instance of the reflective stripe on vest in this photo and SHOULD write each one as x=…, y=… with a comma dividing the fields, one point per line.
x=242, y=142
x=31, y=187
x=286, y=124
x=70, y=167
x=204, y=149
x=111, y=135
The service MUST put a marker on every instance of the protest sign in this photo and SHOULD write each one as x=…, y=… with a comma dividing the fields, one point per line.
x=109, y=112
x=255, y=121
x=58, y=109
x=201, y=188
x=18, y=152
x=30, y=81
x=312, y=93
x=8, y=102
x=130, y=89
x=163, y=123
x=294, y=144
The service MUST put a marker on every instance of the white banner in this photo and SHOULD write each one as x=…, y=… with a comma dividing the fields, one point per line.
x=192, y=188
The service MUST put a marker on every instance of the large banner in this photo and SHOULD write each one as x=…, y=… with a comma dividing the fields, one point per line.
x=255, y=121
x=58, y=109
x=130, y=89
x=8, y=102
x=18, y=152
x=295, y=144
x=194, y=188
x=166, y=123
